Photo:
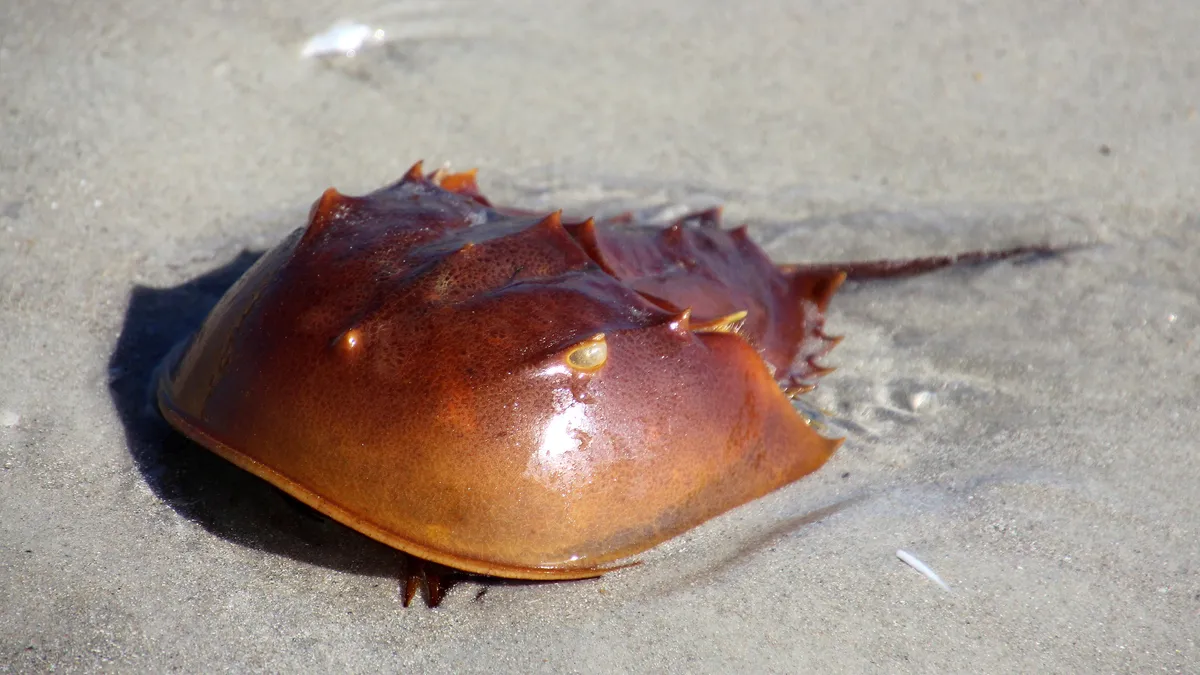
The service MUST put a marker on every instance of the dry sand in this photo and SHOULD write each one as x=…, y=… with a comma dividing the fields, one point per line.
x=1029, y=431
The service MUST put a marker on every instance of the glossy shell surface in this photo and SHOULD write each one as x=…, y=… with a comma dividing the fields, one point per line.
x=502, y=392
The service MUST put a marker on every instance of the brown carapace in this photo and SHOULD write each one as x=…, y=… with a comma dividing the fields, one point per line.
x=509, y=394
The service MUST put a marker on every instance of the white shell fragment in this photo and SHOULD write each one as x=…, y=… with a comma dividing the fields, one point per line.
x=343, y=37
x=912, y=561
x=920, y=400
x=404, y=21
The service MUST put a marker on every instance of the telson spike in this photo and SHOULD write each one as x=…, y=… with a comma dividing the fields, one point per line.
x=730, y=323
x=324, y=211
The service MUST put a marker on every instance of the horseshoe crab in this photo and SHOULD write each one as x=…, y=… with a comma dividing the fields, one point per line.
x=506, y=393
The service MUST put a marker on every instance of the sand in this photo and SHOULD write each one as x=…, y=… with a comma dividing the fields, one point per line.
x=1026, y=430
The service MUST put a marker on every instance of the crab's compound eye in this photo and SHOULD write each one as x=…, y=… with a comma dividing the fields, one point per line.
x=588, y=355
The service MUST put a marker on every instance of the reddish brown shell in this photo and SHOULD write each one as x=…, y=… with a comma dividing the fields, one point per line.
x=502, y=393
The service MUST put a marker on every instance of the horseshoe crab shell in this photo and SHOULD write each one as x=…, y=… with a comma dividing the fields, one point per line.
x=504, y=393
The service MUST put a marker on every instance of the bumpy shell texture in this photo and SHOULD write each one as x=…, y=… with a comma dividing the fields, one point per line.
x=504, y=393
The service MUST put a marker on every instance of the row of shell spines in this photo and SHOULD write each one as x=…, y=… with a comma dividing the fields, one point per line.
x=384, y=225
x=435, y=239
x=715, y=273
x=494, y=335
x=811, y=291
x=357, y=253
x=500, y=254
x=467, y=285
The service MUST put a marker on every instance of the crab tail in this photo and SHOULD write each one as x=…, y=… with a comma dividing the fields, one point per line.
x=863, y=270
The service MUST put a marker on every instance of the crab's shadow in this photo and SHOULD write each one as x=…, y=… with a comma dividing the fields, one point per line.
x=197, y=484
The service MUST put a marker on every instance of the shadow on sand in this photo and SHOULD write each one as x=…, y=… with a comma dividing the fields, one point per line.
x=199, y=485
x=206, y=489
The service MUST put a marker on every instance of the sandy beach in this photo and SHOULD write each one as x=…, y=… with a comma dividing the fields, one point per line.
x=1027, y=430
